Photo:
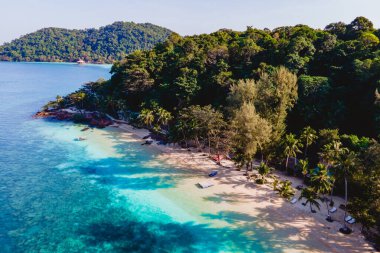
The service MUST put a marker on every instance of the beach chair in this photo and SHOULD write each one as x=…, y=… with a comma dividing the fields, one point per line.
x=350, y=219
x=333, y=210
x=294, y=200
x=213, y=173
x=205, y=184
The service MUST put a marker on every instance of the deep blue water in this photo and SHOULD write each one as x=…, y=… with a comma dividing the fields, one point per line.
x=58, y=195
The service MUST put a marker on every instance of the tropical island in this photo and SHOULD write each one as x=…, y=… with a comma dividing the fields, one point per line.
x=104, y=45
x=301, y=101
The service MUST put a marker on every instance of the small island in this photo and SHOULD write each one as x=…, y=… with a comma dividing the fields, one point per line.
x=104, y=45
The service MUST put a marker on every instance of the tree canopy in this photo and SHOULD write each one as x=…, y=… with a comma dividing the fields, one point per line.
x=104, y=45
x=246, y=93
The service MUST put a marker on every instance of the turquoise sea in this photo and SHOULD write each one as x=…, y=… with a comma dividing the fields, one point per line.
x=100, y=195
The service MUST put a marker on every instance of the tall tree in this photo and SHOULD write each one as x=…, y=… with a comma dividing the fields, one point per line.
x=346, y=163
x=308, y=137
x=251, y=132
x=277, y=94
x=291, y=147
x=323, y=183
x=311, y=197
x=244, y=91
x=147, y=117
x=163, y=116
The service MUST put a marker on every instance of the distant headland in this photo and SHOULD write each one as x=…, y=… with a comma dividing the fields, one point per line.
x=104, y=45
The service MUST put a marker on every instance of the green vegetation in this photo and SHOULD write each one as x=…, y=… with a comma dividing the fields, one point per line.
x=268, y=95
x=104, y=45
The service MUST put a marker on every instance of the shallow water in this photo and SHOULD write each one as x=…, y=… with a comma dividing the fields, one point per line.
x=100, y=195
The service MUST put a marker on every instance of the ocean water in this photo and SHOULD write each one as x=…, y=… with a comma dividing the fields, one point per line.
x=99, y=195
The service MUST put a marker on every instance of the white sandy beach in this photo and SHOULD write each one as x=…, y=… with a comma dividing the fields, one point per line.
x=237, y=202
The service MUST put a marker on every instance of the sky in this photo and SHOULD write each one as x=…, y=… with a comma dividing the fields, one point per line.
x=186, y=17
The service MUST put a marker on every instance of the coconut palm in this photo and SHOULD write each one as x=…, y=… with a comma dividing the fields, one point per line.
x=163, y=116
x=323, y=183
x=308, y=136
x=263, y=170
x=292, y=147
x=346, y=162
x=303, y=166
x=311, y=197
x=147, y=117
x=331, y=152
x=286, y=190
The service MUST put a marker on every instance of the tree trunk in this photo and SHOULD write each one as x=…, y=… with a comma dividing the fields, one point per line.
x=345, y=200
x=287, y=161
x=305, y=154
x=209, y=145
x=331, y=194
x=327, y=206
x=198, y=143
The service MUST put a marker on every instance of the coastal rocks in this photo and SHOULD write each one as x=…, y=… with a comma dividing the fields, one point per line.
x=94, y=119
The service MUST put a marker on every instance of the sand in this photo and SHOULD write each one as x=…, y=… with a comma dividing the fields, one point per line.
x=236, y=202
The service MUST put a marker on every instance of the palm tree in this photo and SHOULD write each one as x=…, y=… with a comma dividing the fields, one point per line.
x=346, y=162
x=292, y=146
x=286, y=190
x=311, y=197
x=308, y=136
x=147, y=117
x=163, y=116
x=331, y=153
x=303, y=165
x=323, y=183
x=263, y=170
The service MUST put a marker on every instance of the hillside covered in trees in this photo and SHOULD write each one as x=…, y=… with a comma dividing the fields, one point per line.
x=104, y=45
x=298, y=92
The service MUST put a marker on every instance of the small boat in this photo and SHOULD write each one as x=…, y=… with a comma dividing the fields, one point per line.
x=80, y=61
x=213, y=173
x=80, y=139
x=85, y=129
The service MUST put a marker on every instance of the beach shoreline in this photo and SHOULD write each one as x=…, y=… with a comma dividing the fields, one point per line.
x=233, y=192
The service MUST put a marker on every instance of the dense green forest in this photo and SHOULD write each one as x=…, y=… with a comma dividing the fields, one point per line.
x=104, y=45
x=263, y=94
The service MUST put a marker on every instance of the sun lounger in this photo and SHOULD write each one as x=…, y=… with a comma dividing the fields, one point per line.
x=205, y=184
x=213, y=173
x=294, y=200
x=333, y=210
x=348, y=218
x=352, y=221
